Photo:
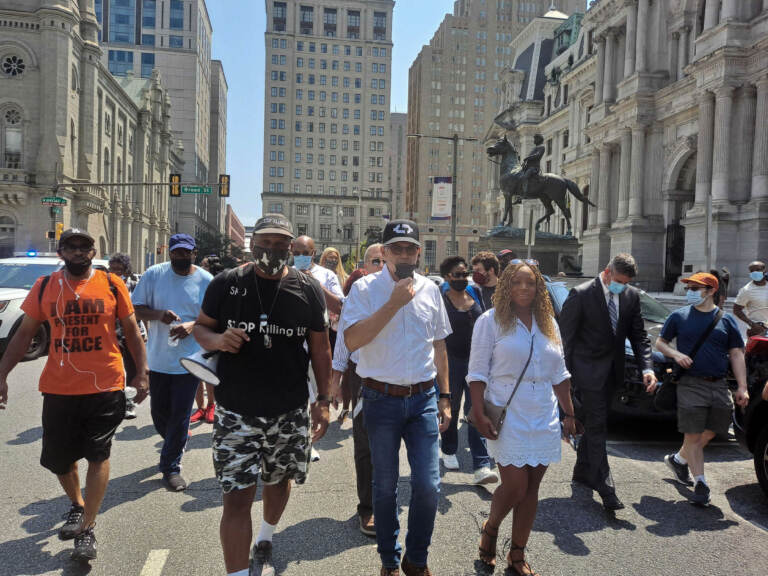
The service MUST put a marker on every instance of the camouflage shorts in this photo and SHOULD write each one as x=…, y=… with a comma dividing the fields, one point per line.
x=245, y=447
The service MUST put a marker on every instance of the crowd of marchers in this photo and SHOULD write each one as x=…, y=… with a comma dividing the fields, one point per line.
x=284, y=337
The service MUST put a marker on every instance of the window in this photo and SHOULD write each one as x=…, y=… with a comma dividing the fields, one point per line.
x=348, y=211
x=147, y=39
x=149, y=9
x=353, y=24
x=122, y=22
x=120, y=62
x=11, y=138
x=379, y=25
x=147, y=64
x=325, y=231
x=176, y=41
x=430, y=256
x=302, y=209
x=326, y=211
x=177, y=15
x=306, y=20
x=278, y=16
x=329, y=22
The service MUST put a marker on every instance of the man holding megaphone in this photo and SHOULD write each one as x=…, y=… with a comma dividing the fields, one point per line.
x=258, y=318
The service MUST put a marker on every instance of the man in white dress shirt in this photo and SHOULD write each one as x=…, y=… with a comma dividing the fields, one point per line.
x=397, y=321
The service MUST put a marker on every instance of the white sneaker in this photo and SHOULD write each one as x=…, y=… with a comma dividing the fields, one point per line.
x=485, y=475
x=315, y=455
x=130, y=410
x=450, y=461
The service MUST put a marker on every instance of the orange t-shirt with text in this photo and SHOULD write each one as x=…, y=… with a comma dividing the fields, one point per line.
x=83, y=356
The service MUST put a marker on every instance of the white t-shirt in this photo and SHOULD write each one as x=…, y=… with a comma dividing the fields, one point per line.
x=754, y=299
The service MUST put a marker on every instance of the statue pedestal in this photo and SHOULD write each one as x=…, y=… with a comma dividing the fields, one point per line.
x=555, y=252
x=596, y=250
x=644, y=239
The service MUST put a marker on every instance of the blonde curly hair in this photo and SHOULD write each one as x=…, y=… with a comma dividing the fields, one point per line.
x=339, y=271
x=541, y=307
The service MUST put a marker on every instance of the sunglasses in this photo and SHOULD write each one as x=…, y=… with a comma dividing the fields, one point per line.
x=398, y=250
x=528, y=261
x=460, y=275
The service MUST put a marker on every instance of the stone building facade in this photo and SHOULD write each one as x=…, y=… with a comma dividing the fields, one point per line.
x=66, y=122
x=662, y=120
x=326, y=120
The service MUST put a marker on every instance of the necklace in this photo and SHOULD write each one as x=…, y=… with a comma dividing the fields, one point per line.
x=76, y=293
x=264, y=318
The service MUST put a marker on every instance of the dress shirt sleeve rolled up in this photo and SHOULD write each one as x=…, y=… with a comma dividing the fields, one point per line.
x=356, y=307
x=481, y=354
x=340, y=352
x=442, y=322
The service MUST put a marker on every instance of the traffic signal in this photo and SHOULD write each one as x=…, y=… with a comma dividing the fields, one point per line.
x=59, y=229
x=175, y=185
x=224, y=185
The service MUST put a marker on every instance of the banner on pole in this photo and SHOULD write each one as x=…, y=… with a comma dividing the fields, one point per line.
x=442, y=192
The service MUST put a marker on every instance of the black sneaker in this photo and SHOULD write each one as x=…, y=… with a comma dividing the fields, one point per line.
x=72, y=520
x=700, y=494
x=85, y=545
x=681, y=472
x=174, y=482
x=261, y=560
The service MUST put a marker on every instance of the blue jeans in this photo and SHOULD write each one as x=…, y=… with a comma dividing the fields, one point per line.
x=171, y=399
x=457, y=373
x=388, y=420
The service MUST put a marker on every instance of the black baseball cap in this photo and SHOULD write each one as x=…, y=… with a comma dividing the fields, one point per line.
x=67, y=235
x=274, y=224
x=401, y=231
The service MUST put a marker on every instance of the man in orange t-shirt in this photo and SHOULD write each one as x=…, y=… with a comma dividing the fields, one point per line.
x=83, y=380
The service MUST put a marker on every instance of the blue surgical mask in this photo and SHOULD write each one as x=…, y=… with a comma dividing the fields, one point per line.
x=616, y=287
x=694, y=297
x=757, y=276
x=302, y=262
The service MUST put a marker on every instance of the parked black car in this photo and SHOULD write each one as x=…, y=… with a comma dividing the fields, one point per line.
x=751, y=424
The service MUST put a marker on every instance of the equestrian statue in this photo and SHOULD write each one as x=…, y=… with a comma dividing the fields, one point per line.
x=524, y=182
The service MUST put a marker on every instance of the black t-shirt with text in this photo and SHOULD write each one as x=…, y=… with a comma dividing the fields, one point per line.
x=262, y=381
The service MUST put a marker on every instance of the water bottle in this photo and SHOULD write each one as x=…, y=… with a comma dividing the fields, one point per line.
x=130, y=392
x=172, y=341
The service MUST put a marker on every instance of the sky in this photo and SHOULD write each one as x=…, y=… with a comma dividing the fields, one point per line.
x=238, y=41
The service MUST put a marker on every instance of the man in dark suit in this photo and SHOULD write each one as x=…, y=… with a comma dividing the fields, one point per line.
x=596, y=319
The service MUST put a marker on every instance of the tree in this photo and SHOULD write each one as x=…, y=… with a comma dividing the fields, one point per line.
x=229, y=253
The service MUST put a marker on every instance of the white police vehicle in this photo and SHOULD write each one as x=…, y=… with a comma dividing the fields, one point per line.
x=17, y=276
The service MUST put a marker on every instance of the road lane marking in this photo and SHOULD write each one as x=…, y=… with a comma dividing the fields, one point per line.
x=155, y=563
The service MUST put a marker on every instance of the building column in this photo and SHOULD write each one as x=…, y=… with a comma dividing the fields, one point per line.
x=594, y=187
x=631, y=43
x=608, y=79
x=742, y=162
x=624, y=173
x=674, y=64
x=760, y=147
x=636, y=191
x=730, y=10
x=642, y=34
x=682, y=50
x=721, y=157
x=704, y=147
x=765, y=5
x=711, y=13
x=600, y=72
x=604, y=198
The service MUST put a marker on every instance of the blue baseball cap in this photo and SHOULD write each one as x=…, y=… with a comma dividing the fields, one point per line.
x=184, y=241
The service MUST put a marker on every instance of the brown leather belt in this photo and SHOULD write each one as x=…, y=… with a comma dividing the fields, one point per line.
x=396, y=389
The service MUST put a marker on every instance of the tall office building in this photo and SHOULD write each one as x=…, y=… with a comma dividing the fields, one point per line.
x=173, y=36
x=218, y=146
x=453, y=88
x=326, y=118
x=396, y=161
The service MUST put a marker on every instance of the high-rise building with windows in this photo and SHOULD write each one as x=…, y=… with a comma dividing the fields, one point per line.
x=326, y=118
x=175, y=37
x=453, y=88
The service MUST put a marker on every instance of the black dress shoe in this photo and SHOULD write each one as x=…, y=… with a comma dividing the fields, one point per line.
x=611, y=502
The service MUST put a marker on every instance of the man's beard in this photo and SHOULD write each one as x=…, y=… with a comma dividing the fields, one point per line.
x=77, y=268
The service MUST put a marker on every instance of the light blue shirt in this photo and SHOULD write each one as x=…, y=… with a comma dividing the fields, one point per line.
x=160, y=288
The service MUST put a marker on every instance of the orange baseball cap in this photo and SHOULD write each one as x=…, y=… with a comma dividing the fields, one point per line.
x=702, y=279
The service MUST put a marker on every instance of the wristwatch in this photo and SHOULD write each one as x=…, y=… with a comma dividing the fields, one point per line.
x=324, y=398
x=445, y=395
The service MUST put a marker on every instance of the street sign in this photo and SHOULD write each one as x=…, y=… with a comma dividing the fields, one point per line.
x=53, y=201
x=196, y=189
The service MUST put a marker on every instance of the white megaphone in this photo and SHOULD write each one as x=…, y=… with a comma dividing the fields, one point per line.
x=202, y=365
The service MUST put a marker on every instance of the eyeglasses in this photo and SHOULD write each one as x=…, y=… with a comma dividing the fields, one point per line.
x=528, y=261
x=460, y=275
x=411, y=249
x=82, y=248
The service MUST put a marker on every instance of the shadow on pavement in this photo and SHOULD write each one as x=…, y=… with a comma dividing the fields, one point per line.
x=677, y=518
x=317, y=539
x=448, y=489
x=26, y=556
x=206, y=494
x=749, y=502
x=130, y=432
x=27, y=437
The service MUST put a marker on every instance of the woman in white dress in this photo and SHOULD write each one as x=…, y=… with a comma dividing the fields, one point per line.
x=529, y=440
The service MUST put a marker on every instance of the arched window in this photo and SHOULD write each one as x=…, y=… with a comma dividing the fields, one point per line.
x=11, y=138
x=75, y=78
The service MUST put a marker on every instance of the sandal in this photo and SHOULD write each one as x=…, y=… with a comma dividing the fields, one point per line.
x=488, y=555
x=511, y=564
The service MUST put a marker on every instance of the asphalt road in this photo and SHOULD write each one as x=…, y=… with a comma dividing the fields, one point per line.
x=146, y=531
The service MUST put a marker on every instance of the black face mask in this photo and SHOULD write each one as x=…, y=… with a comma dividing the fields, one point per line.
x=404, y=271
x=271, y=262
x=458, y=285
x=77, y=268
x=181, y=265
